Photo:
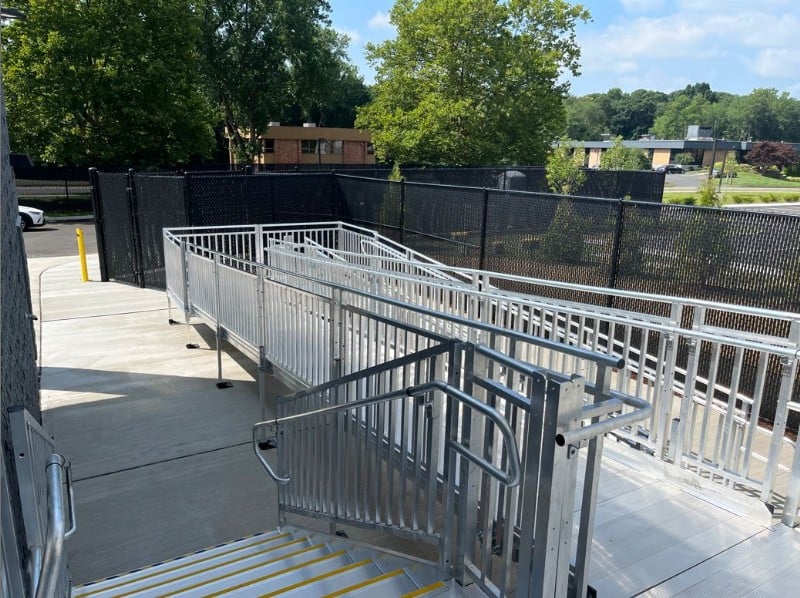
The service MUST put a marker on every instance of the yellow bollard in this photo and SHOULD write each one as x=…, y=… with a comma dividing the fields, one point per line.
x=82, y=255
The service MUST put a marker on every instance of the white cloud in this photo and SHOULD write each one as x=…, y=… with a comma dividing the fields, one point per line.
x=380, y=20
x=642, y=5
x=777, y=63
x=737, y=44
x=355, y=36
x=624, y=67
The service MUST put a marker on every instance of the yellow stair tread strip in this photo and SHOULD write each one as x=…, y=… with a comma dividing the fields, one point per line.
x=307, y=582
x=193, y=573
x=437, y=585
x=264, y=577
x=365, y=583
x=180, y=566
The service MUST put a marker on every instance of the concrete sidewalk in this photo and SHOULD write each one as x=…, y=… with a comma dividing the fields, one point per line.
x=162, y=459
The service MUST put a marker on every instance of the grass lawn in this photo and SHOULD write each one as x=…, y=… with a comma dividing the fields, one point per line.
x=734, y=196
x=749, y=179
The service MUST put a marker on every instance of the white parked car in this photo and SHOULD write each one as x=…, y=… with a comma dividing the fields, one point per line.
x=30, y=217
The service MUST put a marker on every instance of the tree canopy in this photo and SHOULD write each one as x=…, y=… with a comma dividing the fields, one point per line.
x=619, y=157
x=763, y=114
x=564, y=169
x=270, y=61
x=471, y=81
x=146, y=82
x=107, y=81
x=768, y=154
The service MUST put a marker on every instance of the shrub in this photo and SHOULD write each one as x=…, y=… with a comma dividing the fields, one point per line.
x=684, y=158
x=631, y=256
x=707, y=195
x=564, y=240
x=704, y=247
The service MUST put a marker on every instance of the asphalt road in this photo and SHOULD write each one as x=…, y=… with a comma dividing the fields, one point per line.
x=59, y=239
x=36, y=191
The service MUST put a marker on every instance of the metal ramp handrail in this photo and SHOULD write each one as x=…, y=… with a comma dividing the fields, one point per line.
x=551, y=409
x=669, y=363
x=508, y=479
x=45, y=486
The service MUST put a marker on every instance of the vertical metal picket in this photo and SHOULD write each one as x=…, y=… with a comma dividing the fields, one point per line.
x=556, y=495
x=138, y=258
x=99, y=223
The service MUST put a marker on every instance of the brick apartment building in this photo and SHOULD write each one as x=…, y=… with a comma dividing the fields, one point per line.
x=310, y=144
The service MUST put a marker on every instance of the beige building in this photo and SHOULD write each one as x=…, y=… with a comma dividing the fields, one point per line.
x=699, y=143
x=310, y=144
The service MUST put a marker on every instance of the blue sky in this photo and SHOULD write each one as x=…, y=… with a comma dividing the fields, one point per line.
x=734, y=45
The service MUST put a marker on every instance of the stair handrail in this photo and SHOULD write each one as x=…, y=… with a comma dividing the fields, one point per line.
x=509, y=478
x=57, y=530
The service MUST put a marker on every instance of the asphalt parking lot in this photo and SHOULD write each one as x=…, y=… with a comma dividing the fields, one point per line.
x=59, y=239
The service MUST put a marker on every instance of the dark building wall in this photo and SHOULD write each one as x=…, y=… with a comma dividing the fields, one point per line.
x=20, y=385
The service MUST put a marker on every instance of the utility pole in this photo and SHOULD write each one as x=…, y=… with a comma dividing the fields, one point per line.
x=722, y=169
x=713, y=153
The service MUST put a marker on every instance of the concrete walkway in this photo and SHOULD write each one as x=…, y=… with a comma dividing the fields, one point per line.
x=162, y=459
x=163, y=464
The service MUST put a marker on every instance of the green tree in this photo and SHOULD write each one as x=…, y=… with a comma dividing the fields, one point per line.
x=684, y=158
x=261, y=58
x=619, y=157
x=564, y=240
x=329, y=88
x=585, y=118
x=632, y=114
x=678, y=114
x=707, y=195
x=704, y=247
x=107, y=81
x=472, y=81
x=564, y=170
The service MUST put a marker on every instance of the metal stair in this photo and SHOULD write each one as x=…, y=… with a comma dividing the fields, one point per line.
x=284, y=562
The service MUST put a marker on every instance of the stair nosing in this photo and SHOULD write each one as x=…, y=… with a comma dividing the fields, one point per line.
x=326, y=575
x=366, y=583
x=436, y=585
x=259, y=579
x=271, y=534
x=207, y=569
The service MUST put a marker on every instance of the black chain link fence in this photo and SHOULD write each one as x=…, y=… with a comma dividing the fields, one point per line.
x=132, y=209
x=639, y=185
x=114, y=222
x=748, y=258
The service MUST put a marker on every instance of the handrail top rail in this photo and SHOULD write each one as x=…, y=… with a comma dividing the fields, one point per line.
x=599, y=358
x=666, y=299
x=781, y=346
x=439, y=349
x=510, y=479
x=496, y=293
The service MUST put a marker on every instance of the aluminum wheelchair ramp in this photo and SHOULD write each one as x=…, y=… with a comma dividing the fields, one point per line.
x=284, y=562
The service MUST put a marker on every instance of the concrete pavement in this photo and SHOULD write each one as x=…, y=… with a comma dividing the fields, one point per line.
x=161, y=458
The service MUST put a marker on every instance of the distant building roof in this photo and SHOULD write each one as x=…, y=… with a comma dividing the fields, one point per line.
x=677, y=144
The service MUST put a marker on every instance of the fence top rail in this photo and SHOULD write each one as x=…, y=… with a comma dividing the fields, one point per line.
x=521, y=192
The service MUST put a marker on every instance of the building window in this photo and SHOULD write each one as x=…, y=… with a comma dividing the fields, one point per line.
x=336, y=146
x=269, y=146
x=370, y=149
x=308, y=146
